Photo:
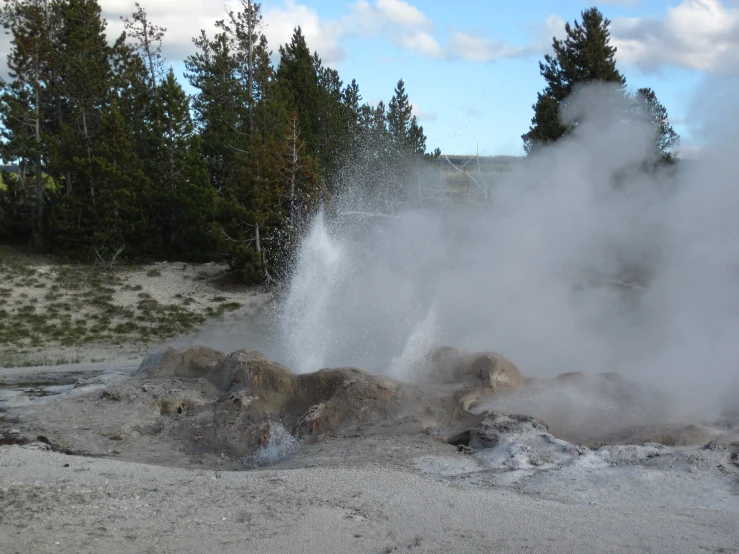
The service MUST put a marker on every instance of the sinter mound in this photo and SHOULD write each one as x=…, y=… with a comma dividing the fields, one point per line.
x=195, y=405
x=244, y=395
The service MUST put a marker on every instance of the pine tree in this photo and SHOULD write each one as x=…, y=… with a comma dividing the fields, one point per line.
x=298, y=78
x=84, y=76
x=251, y=212
x=220, y=106
x=148, y=42
x=666, y=139
x=183, y=195
x=302, y=185
x=333, y=124
x=416, y=137
x=22, y=99
x=119, y=215
x=584, y=56
x=243, y=27
x=131, y=88
x=399, y=117
x=351, y=99
x=270, y=110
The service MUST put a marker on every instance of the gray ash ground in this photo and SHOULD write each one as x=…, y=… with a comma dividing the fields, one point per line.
x=234, y=450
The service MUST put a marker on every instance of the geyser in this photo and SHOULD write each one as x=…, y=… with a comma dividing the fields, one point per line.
x=580, y=261
x=302, y=324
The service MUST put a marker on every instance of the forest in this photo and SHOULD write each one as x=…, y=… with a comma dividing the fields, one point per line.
x=111, y=161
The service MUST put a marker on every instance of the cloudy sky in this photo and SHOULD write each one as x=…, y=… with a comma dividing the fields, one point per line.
x=470, y=66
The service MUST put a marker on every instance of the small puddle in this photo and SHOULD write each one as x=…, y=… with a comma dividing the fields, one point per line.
x=33, y=389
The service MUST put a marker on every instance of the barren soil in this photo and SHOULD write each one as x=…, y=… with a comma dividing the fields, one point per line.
x=94, y=458
x=53, y=313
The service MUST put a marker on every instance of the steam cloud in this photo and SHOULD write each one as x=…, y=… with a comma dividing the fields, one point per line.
x=535, y=273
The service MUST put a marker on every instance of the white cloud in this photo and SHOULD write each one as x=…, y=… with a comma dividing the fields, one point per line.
x=398, y=21
x=321, y=35
x=423, y=115
x=402, y=13
x=183, y=20
x=474, y=48
x=697, y=34
x=422, y=43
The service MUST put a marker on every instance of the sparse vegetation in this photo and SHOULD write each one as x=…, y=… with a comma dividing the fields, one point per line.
x=55, y=305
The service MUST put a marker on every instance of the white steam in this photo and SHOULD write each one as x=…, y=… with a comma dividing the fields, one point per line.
x=565, y=270
x=304, y=333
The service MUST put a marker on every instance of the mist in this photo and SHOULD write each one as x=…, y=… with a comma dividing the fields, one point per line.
x=564, y=268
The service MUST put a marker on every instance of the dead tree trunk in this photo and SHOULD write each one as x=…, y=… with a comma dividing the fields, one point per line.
x=89, y=152
x=292, y=146
x=250, y=30
x=38, y=223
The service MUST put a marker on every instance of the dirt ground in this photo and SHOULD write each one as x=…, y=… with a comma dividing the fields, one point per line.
x=53, y=313
x=98, y=455
x=103, y=466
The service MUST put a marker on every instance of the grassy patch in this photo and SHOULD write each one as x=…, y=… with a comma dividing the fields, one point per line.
x=31, y=359
x=45, y=304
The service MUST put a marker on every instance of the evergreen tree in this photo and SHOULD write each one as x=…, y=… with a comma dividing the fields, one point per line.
x=270, y=111
x=584, y=56
x=351, y=99
x=119, y=216
x=148, y=42
x=251, y=212
x=243, y=27
x=666, y=139
x=416, y=137
x=84, y=75
x=302, y=185
x=131, y=88
x=405, y=131
x=314, y=93
x=184, y=196
x=399, y=117
x=219, y=106
x=22, y=99
x=298, y=78
x=333, y=124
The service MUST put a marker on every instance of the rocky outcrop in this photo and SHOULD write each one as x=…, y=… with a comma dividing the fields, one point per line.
x=492, y=427
x=191, y=361
x=202, y=406
x=251, y=394
x=477, y=376
x=484, y=370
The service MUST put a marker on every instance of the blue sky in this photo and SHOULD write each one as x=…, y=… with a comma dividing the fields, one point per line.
x=471, y=68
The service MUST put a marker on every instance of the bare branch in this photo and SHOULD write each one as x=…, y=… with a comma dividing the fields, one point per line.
x=482, y=188
x=107, y=265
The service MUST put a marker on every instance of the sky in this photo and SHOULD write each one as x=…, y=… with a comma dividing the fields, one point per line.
x=471, y=68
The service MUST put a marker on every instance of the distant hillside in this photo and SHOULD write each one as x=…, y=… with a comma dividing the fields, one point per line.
x=487, y=162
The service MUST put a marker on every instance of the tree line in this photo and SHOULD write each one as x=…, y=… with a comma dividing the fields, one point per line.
x=584, y=56
x=114, y=158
